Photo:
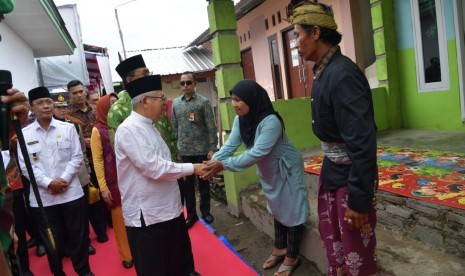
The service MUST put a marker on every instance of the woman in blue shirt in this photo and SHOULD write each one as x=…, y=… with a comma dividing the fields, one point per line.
x=280, y=168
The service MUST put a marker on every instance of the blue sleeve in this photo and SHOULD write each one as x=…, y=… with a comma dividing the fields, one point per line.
x=230, y=146
x=269, y=131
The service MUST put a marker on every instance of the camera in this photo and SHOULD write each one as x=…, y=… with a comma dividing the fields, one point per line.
x=5, y=116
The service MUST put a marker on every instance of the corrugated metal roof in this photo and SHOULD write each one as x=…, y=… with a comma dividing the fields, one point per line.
x=241, y=9
x=176, y=60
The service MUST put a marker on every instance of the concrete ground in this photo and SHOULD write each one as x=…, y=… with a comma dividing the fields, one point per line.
x=252, y=243
x=397, y=254
x=424, y=139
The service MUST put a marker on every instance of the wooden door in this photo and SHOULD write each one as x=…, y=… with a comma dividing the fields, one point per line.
x=247, y=64
x=299, y=73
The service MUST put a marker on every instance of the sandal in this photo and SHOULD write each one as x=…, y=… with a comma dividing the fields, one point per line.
x=288, y=268
x=274, y=260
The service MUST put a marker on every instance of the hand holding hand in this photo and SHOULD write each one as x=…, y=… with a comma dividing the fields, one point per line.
x=355, y=220
x=199, y=169
x=212, y=167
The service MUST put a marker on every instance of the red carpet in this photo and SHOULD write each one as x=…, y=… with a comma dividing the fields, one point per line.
x=433, y=176
x=211, y=256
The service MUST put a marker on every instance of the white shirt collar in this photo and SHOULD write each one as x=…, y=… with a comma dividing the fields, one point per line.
x=141, y=118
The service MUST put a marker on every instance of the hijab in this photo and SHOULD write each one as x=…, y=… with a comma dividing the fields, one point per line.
x=103, y=106
x=260, y=107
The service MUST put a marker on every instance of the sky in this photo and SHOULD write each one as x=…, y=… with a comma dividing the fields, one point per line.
x=145, y=24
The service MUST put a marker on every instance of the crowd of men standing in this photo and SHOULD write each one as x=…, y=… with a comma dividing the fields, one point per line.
x=61, y=138
x=145, y=149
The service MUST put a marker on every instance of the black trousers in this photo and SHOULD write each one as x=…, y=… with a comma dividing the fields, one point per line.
x=288, y=237
x=85, y=189
x=21, y=217
x=24, y=222
x=162, y=249
x=97, y=210
x=67, y=223
x=187, y=189
x=31, y=227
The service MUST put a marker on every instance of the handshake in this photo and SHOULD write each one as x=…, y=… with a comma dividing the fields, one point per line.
x=208, y=169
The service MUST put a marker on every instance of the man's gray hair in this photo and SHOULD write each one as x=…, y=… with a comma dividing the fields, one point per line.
x=136, y=100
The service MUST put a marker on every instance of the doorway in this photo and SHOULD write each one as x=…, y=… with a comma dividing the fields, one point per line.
x=247, y=64
x=299, y=73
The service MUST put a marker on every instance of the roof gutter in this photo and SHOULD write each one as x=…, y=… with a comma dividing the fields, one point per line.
x=52, y=11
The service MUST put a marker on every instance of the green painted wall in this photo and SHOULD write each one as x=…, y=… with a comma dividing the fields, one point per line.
x=379, y=97
x=385, y=42
x=235, y=182
x=227, y=58
x=297, y=117
x=429, y=110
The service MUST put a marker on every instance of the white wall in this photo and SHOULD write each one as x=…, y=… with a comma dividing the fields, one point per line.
x=57, y=71
x=261, y=55
x=17, y=57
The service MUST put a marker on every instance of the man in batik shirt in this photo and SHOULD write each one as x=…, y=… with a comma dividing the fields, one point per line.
x=195, y=129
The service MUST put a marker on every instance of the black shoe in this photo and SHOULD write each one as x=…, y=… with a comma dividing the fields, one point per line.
x=31, y=243
x=40, y=250
x=190, y=221
x=102, y=238
x=92, y=250
x=128, y=264
x=208, y=218
x=195, y=273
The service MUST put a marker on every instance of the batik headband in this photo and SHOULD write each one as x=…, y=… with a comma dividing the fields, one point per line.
x=314, y=15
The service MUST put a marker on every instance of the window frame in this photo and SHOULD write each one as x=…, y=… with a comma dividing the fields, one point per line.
x=444, y=84
x=277, y=80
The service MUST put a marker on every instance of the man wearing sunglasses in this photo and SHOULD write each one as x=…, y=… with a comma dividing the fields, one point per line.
x=195, y=129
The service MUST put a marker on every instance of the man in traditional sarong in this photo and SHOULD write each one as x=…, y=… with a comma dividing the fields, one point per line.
x=342, y=112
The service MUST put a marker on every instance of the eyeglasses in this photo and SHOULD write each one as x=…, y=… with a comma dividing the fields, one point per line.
x=61, y=106
x=163, y=98
x=182, y=83
x=43, y=102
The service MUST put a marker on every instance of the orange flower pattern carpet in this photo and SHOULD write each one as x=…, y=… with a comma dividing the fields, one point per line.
x=433, y=176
